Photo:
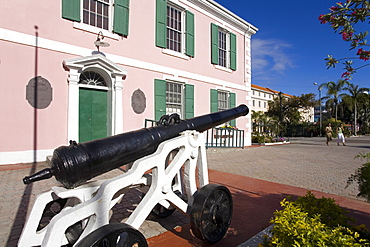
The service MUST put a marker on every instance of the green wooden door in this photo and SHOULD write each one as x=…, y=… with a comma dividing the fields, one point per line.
x=92, y=114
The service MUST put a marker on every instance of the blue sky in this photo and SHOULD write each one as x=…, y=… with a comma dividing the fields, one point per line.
x=289, y=49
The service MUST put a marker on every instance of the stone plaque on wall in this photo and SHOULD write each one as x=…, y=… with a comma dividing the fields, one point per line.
x=138, y=101
x=39, y=92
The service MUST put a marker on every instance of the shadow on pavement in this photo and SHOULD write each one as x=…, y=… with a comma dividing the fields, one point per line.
x=21, y=214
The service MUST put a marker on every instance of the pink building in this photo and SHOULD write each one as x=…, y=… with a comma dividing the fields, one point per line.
x=186, y=56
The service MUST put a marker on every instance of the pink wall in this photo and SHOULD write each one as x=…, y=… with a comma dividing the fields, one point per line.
x=17, y=126
x=140, y=43
x=17, y=67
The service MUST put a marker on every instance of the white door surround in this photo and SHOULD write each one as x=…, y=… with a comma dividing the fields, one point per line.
x=112, y=73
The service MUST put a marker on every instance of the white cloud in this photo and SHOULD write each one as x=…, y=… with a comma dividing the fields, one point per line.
x=270, y=56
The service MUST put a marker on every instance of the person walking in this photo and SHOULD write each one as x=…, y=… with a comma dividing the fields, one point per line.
x=341, y=135
x=328, y=131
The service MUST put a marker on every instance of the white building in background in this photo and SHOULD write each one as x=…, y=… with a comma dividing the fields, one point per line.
x=260, y=97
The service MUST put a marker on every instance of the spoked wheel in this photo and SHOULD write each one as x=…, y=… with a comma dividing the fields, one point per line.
x=114, y=235
x=211, y=212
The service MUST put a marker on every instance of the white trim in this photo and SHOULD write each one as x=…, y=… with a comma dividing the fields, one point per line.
x=94, y=87
x=179, y=3
x=175, y=54
x=223, y=16
x=114, y=71
x=7, y=158
x=224, y=89
x=26, y=39
x=222, y=68
x=95, y=30
x=175, y=79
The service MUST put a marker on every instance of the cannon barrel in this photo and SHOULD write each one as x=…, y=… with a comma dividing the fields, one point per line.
x=75, y=164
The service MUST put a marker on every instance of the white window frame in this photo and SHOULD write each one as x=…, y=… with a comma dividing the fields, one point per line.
x=182, y=45
x=182, y=97
x=227, y=66
x=104, y=3
x=93, y=29
x=227, y=100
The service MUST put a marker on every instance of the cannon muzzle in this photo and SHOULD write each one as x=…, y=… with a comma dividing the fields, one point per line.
x=75, y=164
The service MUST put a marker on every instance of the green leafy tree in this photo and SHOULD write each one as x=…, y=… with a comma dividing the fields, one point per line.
x=343, y=18
x=285, y=110
x=333, y=94
x=260, y=121
x=354, y=94
x=364, y=113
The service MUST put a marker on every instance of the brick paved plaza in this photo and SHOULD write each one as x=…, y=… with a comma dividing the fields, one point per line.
x=304, y=164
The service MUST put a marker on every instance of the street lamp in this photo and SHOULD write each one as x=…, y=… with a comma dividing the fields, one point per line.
x=281, y=111
x=319, y=88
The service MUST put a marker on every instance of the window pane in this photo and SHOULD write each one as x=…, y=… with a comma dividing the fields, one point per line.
x=174, y=94
x=92, y=19
x=99, y=21
x=86, y=4
x=96, y=13
x=174, y=29
x=99, y=8
x=106, y=10
x=92, y=5
x=105, y=23
x=85, y=17
x=222, y=49
x=223, y=102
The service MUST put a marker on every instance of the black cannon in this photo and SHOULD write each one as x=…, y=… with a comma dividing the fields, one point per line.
x=75, y=164
x=169, y=170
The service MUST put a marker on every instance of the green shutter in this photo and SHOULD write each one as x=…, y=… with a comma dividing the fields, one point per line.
x=121, y=17
x=232, y=51
x=189, y=101
x=189, y=34
x=232, y=103
x=214, y=43
x=214, y=100
x=71, y=10
x=161, y=23
x=160, y=98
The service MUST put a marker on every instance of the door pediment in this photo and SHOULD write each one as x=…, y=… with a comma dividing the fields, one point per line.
x=97, y=60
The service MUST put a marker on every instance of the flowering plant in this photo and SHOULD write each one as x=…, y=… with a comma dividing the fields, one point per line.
x=229, y=127
x=280, y=139
x=342, y=18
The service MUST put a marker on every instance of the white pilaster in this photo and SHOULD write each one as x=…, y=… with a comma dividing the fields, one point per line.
x=73, y=103
x=118, y=105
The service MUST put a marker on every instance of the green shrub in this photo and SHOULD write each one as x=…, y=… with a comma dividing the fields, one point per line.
x=268, y=139
x=310, y=221
x=258, y=138
x=362, y=176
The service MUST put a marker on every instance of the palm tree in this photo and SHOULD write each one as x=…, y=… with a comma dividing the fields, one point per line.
x=260, y=120
x=333, y=93
x=354, y=94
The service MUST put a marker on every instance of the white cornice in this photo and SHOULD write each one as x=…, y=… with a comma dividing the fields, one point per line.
x=225, y=15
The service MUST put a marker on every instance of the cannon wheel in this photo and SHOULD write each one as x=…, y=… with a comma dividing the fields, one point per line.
x=114, y=235
x=211, y=212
